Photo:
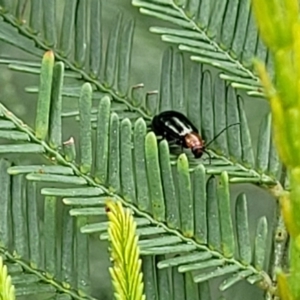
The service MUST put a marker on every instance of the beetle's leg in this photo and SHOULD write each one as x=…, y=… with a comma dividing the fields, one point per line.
x=209, y=156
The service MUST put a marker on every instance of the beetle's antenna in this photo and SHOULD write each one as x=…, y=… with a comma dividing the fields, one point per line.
x=216, y=136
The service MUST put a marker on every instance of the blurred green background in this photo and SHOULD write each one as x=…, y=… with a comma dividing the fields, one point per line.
x=146, y=61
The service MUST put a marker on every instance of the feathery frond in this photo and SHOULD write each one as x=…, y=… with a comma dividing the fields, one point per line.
x=126, y=270
x=165, y=215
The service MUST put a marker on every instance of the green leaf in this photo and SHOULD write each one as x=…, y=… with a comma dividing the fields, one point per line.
x=191, y=289
x=205, y=8
x=214, y=233
x=216, y=273
x=241, y=275
x=227, y=235
x=7, y=124
x=85, y=131
x=216, y=18
x=101, y=160
x=263, y=144
x=160, y=241
x=43, y=105
x=165, y=17
x=171, y=201
x=91, y=201
x=177, y=32
x=56, y=178
x=96, y=43
x=55, y=129
x=260, y=243
x=22, y=148
x=111, y=53
x=194, y=95
x=34, y=289
x=204, y=291
x=49, y=17
x=80, y=33
x=52, y=169
x=89, y=211
x=200, y=205
x=178, y=285
x=149, y=271
x=127, y=175
x=184, y=42
x=163, y=283
x=184, y=259
x=50, y=233
x=5, y=185
x=169, y=249
x=177, y=75
x=165, y=81
x=201, y=265
x=142, y=189
x=82, y=252
x=33, y=224
x=242, y=228
x=207, y=115
x=220, y=120
x=100, y=227
x=72, y=192
x=67, y=27
x=114, y=156
x=18, y=217
x=14, y=135
x=247, y=150
x=67, y=252
x=125, y=47
x=233, y=133
x=185, y=197
x=241, y=33
x=274, y=161
x=254, y=278
x=229, y=19
x=154, y=177
x=167, y=9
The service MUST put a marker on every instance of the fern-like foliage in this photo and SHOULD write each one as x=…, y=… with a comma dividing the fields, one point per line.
x=181, y=229
x=219, y=34
x=181, y=205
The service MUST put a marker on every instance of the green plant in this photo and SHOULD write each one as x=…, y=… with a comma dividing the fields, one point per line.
x=126, y=271
x=182, y=206
x=7, y=290
x=281, y=35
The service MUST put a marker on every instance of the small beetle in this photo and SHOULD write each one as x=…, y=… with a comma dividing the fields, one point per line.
x=176, y=127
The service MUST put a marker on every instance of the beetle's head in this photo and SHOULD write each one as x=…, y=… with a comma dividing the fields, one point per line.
x=197, y=151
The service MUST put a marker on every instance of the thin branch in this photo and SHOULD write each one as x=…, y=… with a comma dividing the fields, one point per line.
x=280, y=242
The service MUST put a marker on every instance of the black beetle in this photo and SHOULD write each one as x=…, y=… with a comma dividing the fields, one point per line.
x=176, y=127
